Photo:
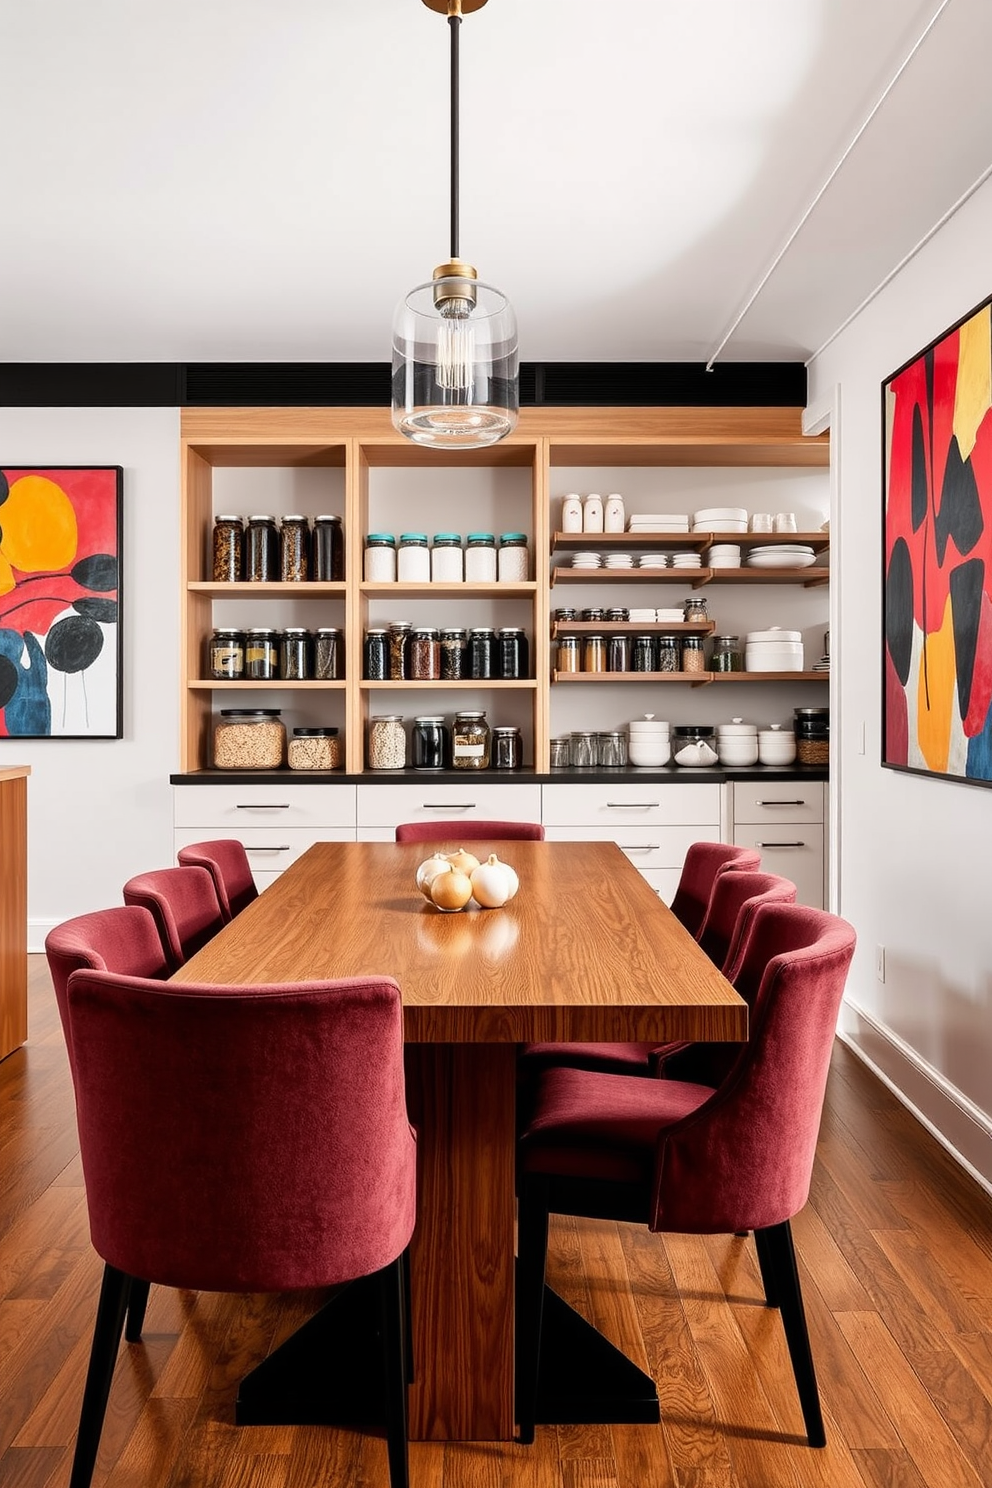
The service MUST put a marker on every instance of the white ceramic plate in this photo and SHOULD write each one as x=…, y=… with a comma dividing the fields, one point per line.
x=783, y=548
x=720, y=514
x=781, y=560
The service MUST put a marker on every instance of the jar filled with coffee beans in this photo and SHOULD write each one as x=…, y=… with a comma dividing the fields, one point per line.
x=261, y=550
x=294, y=549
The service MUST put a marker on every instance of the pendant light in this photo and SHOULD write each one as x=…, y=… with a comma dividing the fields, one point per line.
x=455, y=338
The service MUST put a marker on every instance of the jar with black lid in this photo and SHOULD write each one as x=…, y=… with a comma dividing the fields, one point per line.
x=261, y=655
x=228, y=546
x=643, y=654
x=227, y=655
x=315, y=749
x=294, y=549
x=425, y=655
x=429, y=742
x=294, y=654
x=481, y=649
x=669, y=653
x=262, y=550
x=693, y=654
x=249, y=739
x=328, y=654
x=812, y=730
x=726, y=655
x=567, y=658
x=514, y=662
x=470, y=742
x=375, y=655
x=452, y=654
x=326, y=550
x=618, y=653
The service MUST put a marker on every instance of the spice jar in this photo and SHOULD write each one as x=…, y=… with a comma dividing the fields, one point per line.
x=508, y=750
x=328, y=654
x=294, y=654
x=693, y=654
x=261, y=655
x=315, y=749
x=413, y=559
x=380, y=558
x=694, y=610
x=470, y=742
x=559, y=754
x=227, y=655
x=375, y=655
x=669, y=653
x=425, y=655
x=429, y=742
x=583, y=750
x=571, y=512
x=567, y=654
x=294, y=549
x=727, y=655
x=513, y=653
x=480, y=558
x=643, y=654
x=452, y=654
x=513, y=564
x=398, y=633
x=262, y=550
x=481, y=651
x=447, y=563
x=594, y=654
x=228, y=543
x=387, y=742
x=326, y=550
x=249, y=739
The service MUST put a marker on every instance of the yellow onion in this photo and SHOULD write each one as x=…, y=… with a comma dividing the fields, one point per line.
x=451, y=891
x=428, y=869
x=463, y=861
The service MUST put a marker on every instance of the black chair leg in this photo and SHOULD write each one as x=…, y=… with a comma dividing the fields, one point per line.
x=532, y=1245
x=766, y=1267
x=408, y=1315
x=103, y=1356
x=137, y=1302
x=781, y=1259
x=391, y=1295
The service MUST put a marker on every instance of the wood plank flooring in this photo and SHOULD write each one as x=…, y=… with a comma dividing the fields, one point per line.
x=896, y=1254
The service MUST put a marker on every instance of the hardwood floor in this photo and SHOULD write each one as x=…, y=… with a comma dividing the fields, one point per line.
x=896, y=1254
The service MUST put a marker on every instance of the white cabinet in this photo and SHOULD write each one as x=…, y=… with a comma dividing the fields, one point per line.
x=784, y=821
x=382, y=807
x=653, y=825
x=276, y=823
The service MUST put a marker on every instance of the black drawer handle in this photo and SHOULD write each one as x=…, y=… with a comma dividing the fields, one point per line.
x=262, y=806
x=781, y=844
x=781, y=803
x=631, y=805
x=283, y=847
x=447, y=805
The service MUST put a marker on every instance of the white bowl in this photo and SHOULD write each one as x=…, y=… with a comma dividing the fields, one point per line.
x=773, y=663
x=738, y=729
x=738, y=752
x=656, y=753
x=776, y=747
x=774, y=634
x=720, y=514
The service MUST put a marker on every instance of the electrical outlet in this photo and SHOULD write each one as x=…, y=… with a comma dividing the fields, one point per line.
x=880, y=962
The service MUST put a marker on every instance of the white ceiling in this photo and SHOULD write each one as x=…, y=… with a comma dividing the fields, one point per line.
x=248, y=180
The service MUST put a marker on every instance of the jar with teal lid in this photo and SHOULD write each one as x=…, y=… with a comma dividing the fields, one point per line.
x=380, y=558
x=480, y=558
x=413, y=559
x=447, y=566
x=514, y=560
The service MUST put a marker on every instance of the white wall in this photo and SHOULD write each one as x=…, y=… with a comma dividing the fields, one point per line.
x=914, y=854
x=100, y=811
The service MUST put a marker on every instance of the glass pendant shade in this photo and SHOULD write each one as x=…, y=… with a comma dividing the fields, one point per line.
x=455, y=378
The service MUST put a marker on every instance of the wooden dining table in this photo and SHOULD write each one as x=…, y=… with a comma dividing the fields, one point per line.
x=585, y=951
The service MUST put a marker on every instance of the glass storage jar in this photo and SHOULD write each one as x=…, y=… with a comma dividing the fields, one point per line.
x=452, y=654
x=375, y=655
x=315, y=749
x=612, y=750
x=327, y=550
x=480, y=558
x=261, y=550
x=470, y=741
x=387, y=742
x=812, y=730
x=249, y=739
x=294, y=654
x=294, y=549
x=594, y=654
x=694, y=610
x=618, y=653
x=481, y=651
x=380, y=558
x=228, y=546
x=227, y=655
x=447, y=562
x=644, y=656
x=669, y=653
x=583, y=749
x=567, y=654
x=559, y=754
x=514, y=661
x=399, y=634
x=425, y=655
x=429, y=742
x=328, y=654
x=727, y=655
x=508, y=750
x=413, y=559
x=513, y=560
x=693, y=654
x=261, y=655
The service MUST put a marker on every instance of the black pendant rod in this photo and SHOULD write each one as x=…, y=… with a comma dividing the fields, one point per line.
x=454, y=22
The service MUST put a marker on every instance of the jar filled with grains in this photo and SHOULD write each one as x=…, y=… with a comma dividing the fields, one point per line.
x=375, y=655
x=425, y=654
x=567, y=654
x=470, y=741
x=294, y=549
x=514, y=657
x=387, y=742
x=669, y=653
x=481, y=651
x=294, y=654
x=380, y=558
x=693, y=654
x=249, y=739
x=694, y=610
x=452, y=654
x=399, y=633
x=726, y=654
x=513, y=560
x=328, y=654
x=644, y=655
x=315, y=749
x=261, y=655
x=228, y=545
x=618, y=653
x=261, y=565
x=227, y=655
x=594, y=654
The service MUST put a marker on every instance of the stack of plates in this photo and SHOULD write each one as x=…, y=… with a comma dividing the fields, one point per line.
x=657, y=522
x=642, y=617
x=670, y=617
x=587, y=560
x=686, y=560
x=781, y=555
x=720, y=519
x=823, y=665
x=724, y=555
x=618, y=560
x=653, y=560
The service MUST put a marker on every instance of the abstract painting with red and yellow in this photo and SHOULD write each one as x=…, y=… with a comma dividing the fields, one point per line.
x=60, y=631
x=938, y=557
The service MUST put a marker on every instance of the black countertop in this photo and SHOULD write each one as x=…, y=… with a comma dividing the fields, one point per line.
x=628, y=775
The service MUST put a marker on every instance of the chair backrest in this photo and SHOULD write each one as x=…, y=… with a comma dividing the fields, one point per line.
x=185, y=907
x=227, y=863
x=123, y=939
x=703, y=862
x=737, y=892
x=469, y=831
x=241, y=1138
x=743, y=1160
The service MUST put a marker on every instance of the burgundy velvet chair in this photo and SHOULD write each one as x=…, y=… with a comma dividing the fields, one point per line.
x=227, y=863
x=703, y=862
x=243, y=1139
x=735, y=895
x=185, y=907
x=469, y=831
x=685, y=1158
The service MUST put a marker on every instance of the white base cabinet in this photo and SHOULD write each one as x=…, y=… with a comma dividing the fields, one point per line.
x=784, y=821
x=276, y=823
x=382, y=807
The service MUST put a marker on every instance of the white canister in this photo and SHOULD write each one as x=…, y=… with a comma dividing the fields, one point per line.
x=776, y=746
x=737, y=743
x=614, y=514
x=571, y=513
x=592, y=513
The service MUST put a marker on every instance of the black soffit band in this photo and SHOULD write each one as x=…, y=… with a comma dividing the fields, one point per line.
x=367, y=385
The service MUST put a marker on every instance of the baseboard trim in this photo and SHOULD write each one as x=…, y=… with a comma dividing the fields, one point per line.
x=37, y=931
x=960, y=1126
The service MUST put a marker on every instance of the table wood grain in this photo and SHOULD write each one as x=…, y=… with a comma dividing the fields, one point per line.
x=586, y=951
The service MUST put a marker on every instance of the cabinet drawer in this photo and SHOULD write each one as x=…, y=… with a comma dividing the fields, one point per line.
x=270, y=849
x=793, y=849
x=243, y=807
x=646, y=847
x=781, y=801
x=387, y=805
x=623, y=803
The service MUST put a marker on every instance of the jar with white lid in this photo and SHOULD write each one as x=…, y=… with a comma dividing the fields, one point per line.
x=413, y=559
x=614, y=513
x=776, y=745
x=447, y=561
x=480, y=558
x=737, y=743
x=513, y=560
x=380, y=558
x=592, y=513
x=571, y=513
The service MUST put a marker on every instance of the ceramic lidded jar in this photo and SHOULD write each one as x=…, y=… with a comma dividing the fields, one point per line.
x=737, y=743
x=649, y=742
x=776, y=745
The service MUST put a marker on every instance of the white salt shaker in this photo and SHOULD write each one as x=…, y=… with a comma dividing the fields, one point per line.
x=614, y=515
x=571, y=513
x=592, y=513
